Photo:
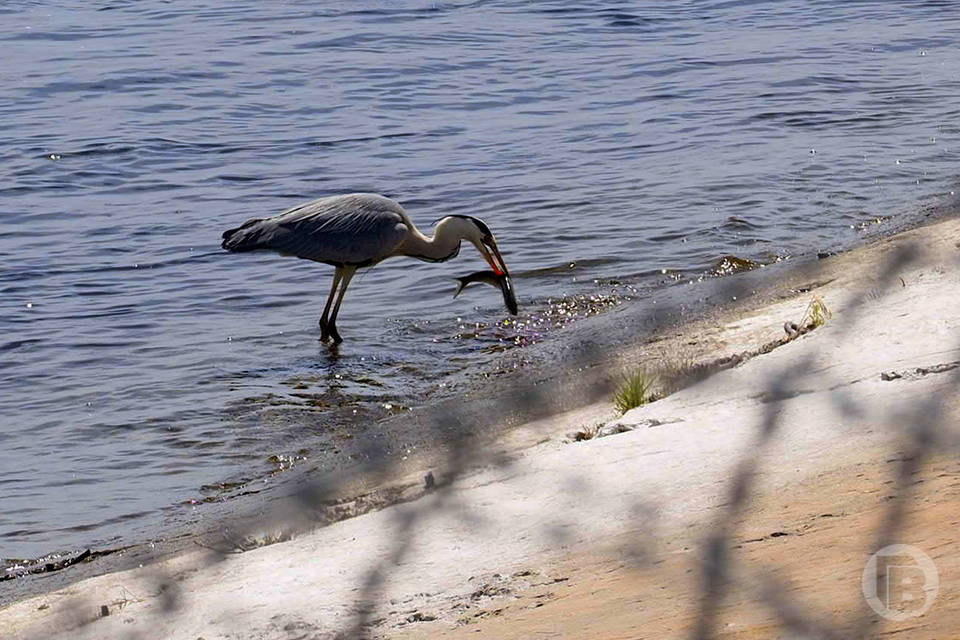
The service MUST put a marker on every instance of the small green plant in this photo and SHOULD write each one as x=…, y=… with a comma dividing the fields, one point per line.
x=636, y=388
x=817, y=313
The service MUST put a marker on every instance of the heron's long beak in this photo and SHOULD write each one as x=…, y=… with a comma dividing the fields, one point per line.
x=492, y=255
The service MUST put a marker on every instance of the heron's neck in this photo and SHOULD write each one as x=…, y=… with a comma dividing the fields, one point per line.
x=436, y=248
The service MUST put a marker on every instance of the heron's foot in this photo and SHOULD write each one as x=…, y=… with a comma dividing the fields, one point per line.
x=332, y=330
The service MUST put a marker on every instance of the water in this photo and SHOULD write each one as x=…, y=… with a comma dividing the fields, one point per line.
x=604, y=142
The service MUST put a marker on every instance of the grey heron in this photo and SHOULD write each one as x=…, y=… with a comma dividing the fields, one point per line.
x=359, y=230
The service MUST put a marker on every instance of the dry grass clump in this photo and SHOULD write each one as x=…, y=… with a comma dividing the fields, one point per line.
x=674, y=375
x=586, y=433
x=636, y=388
x=817, y=313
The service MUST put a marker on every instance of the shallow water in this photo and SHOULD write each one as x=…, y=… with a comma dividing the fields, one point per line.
x=611, y=146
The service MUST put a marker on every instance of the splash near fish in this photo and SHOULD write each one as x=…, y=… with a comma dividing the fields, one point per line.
x=489, y=277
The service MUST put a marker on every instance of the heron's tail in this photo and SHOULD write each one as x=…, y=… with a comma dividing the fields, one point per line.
x=246, y=237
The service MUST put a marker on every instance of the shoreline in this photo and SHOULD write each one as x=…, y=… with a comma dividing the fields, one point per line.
x=723, y=332
x=693, y=307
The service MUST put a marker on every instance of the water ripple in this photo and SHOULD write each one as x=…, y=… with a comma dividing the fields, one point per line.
x=602, y=142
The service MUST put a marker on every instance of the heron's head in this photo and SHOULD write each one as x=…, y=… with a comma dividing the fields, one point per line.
x=478, y=233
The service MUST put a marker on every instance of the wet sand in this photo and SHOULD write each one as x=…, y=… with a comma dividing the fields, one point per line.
x=605, y=538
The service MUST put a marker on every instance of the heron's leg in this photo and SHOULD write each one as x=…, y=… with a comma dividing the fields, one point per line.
x=348, y=272
x=326, y=310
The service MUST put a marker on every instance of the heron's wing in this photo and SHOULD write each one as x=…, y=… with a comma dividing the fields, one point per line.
x=355, y=229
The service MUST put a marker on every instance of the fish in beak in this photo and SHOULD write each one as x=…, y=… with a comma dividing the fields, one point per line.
x=486, y=277
x=489, y=277
x=490, y=252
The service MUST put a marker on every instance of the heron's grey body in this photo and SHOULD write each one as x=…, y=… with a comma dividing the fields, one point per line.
x=353, y=231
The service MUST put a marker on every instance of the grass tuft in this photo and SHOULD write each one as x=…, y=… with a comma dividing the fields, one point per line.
x=586, y=433
x=635, y=389
x=817, y=313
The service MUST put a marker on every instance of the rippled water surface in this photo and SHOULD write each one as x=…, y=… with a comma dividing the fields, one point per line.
x=604, y=142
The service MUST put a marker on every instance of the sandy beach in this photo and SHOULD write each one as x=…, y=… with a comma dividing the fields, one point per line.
x=746, y=505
